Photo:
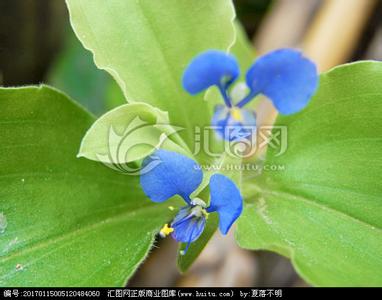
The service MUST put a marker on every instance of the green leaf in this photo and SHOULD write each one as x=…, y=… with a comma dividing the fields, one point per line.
x=323, y=207
x=146, y=45
x=243, y=49
x=64, y=221
x=114, y=96
x=128, y=133
x=75, y=73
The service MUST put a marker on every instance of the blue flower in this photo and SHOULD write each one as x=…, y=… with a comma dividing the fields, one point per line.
x=233, y=123
x=177, y=174
x=284, y=76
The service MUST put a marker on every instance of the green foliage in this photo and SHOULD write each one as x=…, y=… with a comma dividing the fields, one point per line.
x=150, y=51
x=242, y=49
x=89, y=225
x=74, y=72
x=69, y=221
x=323, y=209
x=129, y=133
x=145, y=45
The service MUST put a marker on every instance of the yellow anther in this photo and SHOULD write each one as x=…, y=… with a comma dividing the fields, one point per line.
x=205, y=213
x=236, y=114
x=165, y=231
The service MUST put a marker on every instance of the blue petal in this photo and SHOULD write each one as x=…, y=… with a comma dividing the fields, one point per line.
x=187, y=228
x=176, y=174
x=231, y=129
x=210, y=68
x=226, y=200
x=183, y=213
x=286, y=77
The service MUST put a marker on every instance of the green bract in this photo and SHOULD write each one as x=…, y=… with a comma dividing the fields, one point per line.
x=128, y=133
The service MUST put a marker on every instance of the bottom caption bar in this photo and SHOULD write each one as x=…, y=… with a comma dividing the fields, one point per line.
x=243, y=293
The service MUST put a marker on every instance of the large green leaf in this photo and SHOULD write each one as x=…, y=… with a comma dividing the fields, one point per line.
x=146, y=45
x=64, y=221
x=323, y=206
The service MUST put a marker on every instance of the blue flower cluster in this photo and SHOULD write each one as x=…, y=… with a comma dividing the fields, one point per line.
x=285, y=76
x=176, y=174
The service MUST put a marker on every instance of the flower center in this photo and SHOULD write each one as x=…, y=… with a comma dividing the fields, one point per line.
x=199, y=212
x=199, y=208
x=236, y=114
x=196, y=210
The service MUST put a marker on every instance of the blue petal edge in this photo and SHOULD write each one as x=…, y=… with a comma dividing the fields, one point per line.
x=174, y=174
x=226, y=200
x=286, y=77
x=212, y=67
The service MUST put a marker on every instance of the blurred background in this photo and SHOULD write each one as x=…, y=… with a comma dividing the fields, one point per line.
x=37, y=45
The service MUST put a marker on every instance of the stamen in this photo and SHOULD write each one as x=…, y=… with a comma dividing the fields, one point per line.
x=165, y=231
x=184, y=251
x=205, y=213
x=185, y=219
x=236, y=114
